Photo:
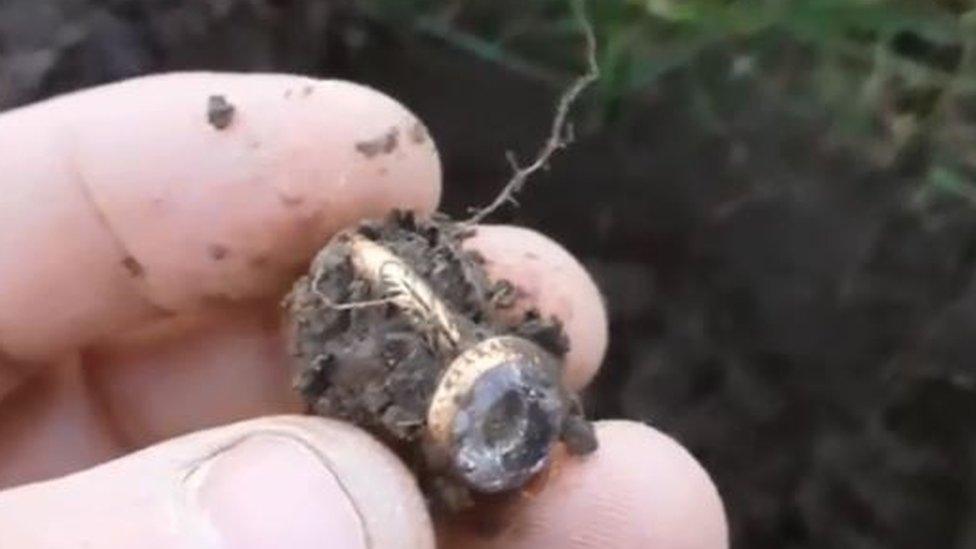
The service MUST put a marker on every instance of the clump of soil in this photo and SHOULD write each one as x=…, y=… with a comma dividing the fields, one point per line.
x=361, y=357
x=220, y=113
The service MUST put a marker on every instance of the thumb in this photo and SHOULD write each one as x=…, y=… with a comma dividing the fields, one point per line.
x=273, y=482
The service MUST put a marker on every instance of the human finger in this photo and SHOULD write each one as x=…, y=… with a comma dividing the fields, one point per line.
x=196, y=371
x=224, y=366
x=273, y=482
x=49, y=427
x=139, y=200
x=220, y=367
x=552, y=281
x=640, y=490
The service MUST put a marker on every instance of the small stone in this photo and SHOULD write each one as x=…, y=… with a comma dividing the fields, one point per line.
x=220, y=113
x=314, y=380
x=579, y=436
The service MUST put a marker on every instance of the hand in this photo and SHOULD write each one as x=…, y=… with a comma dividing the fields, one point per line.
x=124, y=211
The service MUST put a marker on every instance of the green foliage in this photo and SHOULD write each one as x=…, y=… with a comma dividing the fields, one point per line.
x=890, y=77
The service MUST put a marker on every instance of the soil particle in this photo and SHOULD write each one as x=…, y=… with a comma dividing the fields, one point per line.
x=134, y=268
x=418, y=133
x=218, y=252
x=259, y=261
x=291, y=201
x=384, y=144
x=373, y=366
x=503, y=294
x=220, y=113
x=578, y=436
x=547, y=333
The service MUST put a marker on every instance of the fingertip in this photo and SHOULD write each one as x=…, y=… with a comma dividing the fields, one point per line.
x=270, y=491
x=382, y=491
x=641, y=489
x=309, y=483
x=312, y=467
x=552, y=280
x=285, y=481
x=681, y=501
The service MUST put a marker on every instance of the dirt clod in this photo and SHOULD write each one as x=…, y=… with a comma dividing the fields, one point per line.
x=418, y=133
x=132, y=265
x=364, y=354
x=218, y=251
x=578, y=436
x=220, y=113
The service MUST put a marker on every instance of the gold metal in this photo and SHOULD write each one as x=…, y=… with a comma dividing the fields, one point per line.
x=400, y=285
x=404, y=288
x=463, y=373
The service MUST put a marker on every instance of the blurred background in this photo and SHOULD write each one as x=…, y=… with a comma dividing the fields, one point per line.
x=778, y=198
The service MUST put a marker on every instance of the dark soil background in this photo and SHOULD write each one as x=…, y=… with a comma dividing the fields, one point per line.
x=778, y=304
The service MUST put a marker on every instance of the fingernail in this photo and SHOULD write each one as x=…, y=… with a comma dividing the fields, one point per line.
x=273, y=491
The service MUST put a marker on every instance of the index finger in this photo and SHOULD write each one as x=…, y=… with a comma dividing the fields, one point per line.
x=165, y=194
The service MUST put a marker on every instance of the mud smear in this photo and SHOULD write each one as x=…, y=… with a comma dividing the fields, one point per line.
x=418, y=133
x=218, y=252
x=384, y=144
x=133, y=267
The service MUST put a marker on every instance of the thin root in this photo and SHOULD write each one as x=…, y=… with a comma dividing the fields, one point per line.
x=561, y=133
x=346, y=306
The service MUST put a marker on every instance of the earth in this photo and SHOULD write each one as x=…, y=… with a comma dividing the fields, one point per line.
x=777, y=302
x=371, y=346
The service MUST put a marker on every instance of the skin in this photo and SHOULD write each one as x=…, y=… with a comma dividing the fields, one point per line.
x=144, y=392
